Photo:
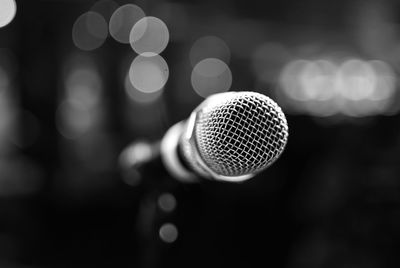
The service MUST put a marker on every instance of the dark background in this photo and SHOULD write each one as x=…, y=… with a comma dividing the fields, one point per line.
x=331, y=200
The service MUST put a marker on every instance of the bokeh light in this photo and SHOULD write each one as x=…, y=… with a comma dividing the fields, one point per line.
x=356, y=80
x=83, y=85
x=89, y=31
x=352, y=87
x=290, y=80
x=122, y=21
x=167, y=202
x=8, y=9
x=137, y=95
x=209, y=47
x=73, y=119
x=211, y=76
x=168, y=233
x=149, y=36
x=148, y=74
x=385, y=81
x=317, y=78
x=81, y=107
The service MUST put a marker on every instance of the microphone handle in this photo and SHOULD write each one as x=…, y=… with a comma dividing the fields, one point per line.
x=148, y=162
x=173, y=157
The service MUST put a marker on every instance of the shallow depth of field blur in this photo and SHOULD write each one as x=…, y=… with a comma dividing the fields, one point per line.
x=81, y=80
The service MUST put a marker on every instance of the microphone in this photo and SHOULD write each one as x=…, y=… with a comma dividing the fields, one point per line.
x=230, y=136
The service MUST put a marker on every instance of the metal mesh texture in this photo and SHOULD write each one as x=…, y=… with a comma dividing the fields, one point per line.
x=243, y=134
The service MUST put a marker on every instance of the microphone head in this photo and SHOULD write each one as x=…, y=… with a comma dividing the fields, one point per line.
x=239, y=133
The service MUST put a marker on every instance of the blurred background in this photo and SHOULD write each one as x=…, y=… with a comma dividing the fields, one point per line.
x=81, y=80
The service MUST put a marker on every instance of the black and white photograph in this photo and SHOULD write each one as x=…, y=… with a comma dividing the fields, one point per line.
x=199, y=133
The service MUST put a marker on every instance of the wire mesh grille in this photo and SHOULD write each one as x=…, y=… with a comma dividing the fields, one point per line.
x=243, y=134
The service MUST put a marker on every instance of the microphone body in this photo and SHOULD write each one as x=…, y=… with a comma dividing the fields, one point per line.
x=230, y=136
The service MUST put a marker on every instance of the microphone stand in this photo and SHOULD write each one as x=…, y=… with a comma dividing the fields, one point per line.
x=143, y=168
